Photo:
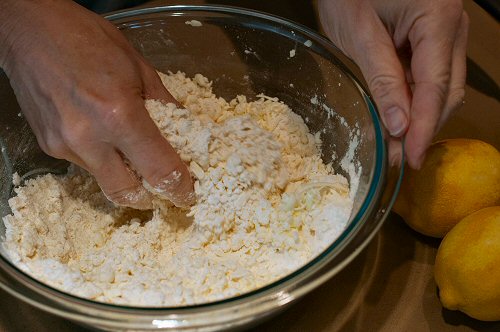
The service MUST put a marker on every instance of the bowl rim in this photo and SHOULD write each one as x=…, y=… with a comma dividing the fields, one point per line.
x=378, y=178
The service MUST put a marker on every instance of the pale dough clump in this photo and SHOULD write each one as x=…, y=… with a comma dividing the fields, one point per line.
x=266, y=205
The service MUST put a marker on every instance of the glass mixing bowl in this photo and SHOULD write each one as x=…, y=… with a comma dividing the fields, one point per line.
x=243, y=52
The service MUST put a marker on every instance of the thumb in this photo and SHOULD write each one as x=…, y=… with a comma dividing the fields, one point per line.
x=172, y=180
x=374, y=52
x=161, y=168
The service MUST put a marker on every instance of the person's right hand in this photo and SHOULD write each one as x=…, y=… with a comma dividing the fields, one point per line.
x=81, y=86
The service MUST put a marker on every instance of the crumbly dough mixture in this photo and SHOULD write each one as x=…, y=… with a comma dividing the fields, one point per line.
x=266, y=205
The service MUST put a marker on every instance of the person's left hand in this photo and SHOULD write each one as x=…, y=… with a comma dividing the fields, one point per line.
x=412, y=54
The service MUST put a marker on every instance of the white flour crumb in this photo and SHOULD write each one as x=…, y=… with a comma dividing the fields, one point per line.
x=251, y=52
x=314, y=100
x=16, y=179
x=292, y=53
x=266, y=205
x=194, y=23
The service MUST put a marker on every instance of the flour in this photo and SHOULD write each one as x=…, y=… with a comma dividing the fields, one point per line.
x=266, y=205
x=194, y=23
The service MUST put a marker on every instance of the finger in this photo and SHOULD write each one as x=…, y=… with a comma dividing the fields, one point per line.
x=432, y=44
x=375, y=54
x=117, y=181
x=395, y=148
x=456, y=92
x=155, y=159
x=153, y=87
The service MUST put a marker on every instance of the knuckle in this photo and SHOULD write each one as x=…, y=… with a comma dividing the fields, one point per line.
x=442, y=89
x=449, y=8
x=76, y=134
x=382, y=85
x=54, y=146
x=113, y=110
x=117, y=116
x=465, y=20
x=436, y=93
x=456, y=98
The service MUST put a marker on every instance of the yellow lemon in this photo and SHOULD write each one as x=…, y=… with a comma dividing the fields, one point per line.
x=467, y=268
x=458, y=177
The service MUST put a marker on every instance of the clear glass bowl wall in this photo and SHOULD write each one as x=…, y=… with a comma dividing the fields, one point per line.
x=242, y=52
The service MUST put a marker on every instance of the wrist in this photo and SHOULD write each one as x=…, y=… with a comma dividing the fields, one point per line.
x=16, y=20
x=11, y=12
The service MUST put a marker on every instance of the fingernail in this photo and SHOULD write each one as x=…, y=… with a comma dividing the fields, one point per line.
x=395, y=121
x=138, y=198
x=417, y=164
x=175, y=188
x=395, y=160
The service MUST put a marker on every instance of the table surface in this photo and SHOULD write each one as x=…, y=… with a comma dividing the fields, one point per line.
x=389, y=286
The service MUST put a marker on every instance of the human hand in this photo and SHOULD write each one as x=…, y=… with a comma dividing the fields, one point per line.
x=412, y=54
x=81, y=85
